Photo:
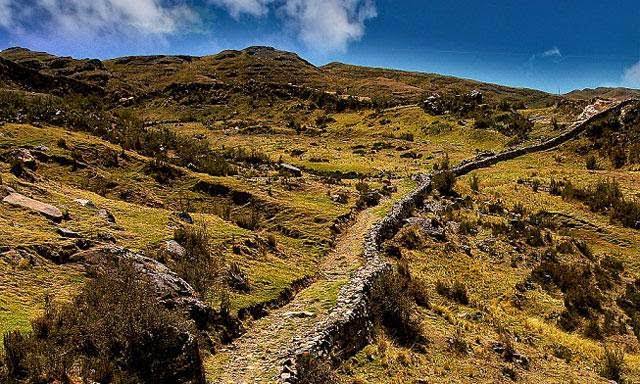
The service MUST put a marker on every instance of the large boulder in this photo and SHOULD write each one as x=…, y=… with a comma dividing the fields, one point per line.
x=171, y=290
x=47, y=210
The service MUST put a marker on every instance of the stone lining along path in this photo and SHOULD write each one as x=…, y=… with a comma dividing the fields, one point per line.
x=256, y=356
x=348, y=327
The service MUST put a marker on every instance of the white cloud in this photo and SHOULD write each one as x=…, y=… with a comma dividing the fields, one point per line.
x=328, y=25
x=324, y=25
x=6, y=13
x=632, y=75
x=553, y=52
x=238, y=7
x=82, y=18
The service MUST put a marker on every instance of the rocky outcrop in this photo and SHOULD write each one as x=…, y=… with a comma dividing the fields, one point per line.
x=349, y=325
x=437, y=104
x=47, y=210
x=171, y=290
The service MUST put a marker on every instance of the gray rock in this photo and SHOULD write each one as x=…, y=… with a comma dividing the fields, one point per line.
x=186, y=217
x=44, y=209
x=299, y=315
x=108, y=216
x=85, y=203
x=175, y=250
x=68, y=233
x=290, y=169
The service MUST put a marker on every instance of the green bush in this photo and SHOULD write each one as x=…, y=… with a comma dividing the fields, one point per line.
x=199, y=266
x=592, y=163
x=115, y=330
x=444, y=182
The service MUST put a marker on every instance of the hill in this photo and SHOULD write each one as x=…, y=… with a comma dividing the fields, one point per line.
x=247, y=200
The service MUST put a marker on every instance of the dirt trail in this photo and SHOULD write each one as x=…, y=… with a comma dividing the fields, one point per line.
x=255, y=357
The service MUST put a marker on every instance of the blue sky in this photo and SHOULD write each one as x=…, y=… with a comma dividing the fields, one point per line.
x=556, y=45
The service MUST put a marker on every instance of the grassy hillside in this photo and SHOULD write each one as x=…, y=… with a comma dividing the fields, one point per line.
x=285, y=166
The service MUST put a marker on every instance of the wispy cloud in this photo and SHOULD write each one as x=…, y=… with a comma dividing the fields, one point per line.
x=631, y=75
x=6, y=13
x=323, y=25
x=550, y=56
x=329, y=25
x=553, y=52
x=236, y=8
x=95, y=17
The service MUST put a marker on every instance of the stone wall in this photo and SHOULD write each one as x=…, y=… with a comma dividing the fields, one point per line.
x=349, y=326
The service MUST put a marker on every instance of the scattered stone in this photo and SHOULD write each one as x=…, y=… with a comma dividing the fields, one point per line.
x=175, y=250
x=23, y=157
x=69, y=234
x=299, y=315
x=291, y=170
x=186, y=217
x=106, y=237
x=108, y=216
x=85, y=203
x=238, y=279
x=44, y=209
x=5, y=191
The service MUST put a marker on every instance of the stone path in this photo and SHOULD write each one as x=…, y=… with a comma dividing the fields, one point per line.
x=255, y=357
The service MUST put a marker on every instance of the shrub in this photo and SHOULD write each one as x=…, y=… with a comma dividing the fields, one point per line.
x=627, y=213
x=444, y=182
x=250, y=220
x=555, y=187
x=216, y=165
x=198, y=267
x=238, y=279
x=162, y=171
x=114, y=330
x=362, y=187
x=593, y=329
x=474, y=183
x=458, y=343
x=315, y=371
x=15, y=353
x=442, y=164
x=395, y=310
x=618, y=157
x=483, y=122
x=407, y=136
x=612, y=365
x=592, y=163
x=418, y=289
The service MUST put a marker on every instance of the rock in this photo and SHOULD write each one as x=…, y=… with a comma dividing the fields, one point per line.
x=23, y=157
x=68, y=233
x=108, y=216
x=85, y=203
x=186, y=217
x=238, y=279
x=42, y=148
x=437, y=104
x=171, y=290
x=299, y=315
x=5, y=191
x=291, y=170
x=175, y=250
x=44, y=209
